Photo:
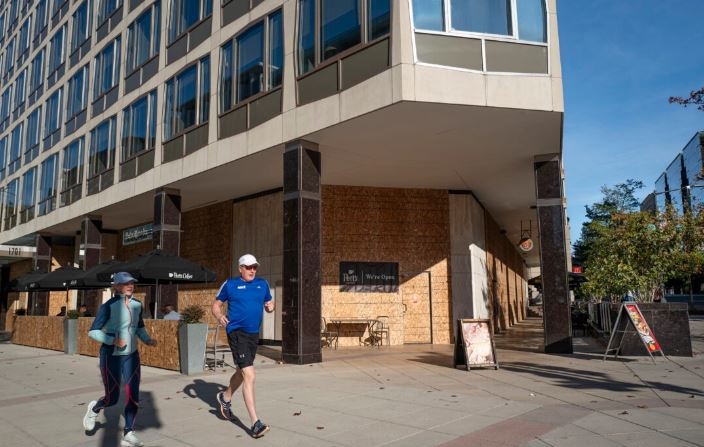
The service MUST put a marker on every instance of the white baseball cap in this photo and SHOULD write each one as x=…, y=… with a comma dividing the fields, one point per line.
x=248, y=260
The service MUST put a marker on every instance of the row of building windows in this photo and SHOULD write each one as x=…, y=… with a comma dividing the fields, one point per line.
x=47, y=66
x=138, y=135
x=519, y=19
x=251, y=63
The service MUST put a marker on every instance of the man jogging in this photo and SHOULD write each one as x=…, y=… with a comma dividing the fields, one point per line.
x=245, y=297
x=117, y=326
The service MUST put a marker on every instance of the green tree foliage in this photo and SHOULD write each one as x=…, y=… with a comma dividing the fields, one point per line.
x=617, y=199
x=625, y=250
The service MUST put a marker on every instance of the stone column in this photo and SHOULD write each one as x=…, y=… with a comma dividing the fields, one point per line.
x=91, y=244
x=553, y=254
x=4, y=299
x=167, y=236
x=39, y=301
x=301, y=269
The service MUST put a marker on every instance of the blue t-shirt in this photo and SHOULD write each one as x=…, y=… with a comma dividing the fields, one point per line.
x=245, y=303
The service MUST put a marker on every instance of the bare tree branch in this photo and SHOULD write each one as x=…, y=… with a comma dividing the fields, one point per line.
x=696, y=97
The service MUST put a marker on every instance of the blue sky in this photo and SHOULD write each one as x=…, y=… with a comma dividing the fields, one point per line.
x=621, y=60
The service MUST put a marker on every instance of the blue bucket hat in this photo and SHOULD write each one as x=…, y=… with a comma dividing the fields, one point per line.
x=122, y=278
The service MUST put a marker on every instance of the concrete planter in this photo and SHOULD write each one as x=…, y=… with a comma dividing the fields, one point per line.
x=191, y=346
x=70, y=335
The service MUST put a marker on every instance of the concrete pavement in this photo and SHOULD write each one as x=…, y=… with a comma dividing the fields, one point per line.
x=398, y=396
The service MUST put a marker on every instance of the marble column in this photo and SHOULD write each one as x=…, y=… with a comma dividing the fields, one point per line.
x=301, y=269
x=91, y=244
x=553, y=254
x=167, y=236
x=39, y=301
x=4, y=298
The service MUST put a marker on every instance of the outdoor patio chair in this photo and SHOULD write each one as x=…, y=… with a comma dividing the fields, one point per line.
x=217, y=345
x=328, y=336
x=380, y=329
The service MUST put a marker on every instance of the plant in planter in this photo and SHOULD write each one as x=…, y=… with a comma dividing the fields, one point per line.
x=192, y=314
x=71, y=332
x=192, y=335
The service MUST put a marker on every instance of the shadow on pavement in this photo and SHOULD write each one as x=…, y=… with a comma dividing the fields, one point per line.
x=206, y=392
x=581, y=379
x=110, y=422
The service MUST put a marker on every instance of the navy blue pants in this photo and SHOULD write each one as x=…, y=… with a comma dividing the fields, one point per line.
x=116, y=369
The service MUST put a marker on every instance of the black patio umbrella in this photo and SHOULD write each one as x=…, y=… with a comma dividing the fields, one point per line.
x=158, y=267
x=575, y=279
x=90, y=279
x=57, y=280
x=22, y=283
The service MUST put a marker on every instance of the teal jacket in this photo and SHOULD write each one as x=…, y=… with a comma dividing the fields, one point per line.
x=117, y=319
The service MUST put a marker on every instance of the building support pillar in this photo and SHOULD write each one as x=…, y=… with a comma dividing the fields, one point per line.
x=91, y=245
x=301, y=269
x=553, y=254
x=167, y=237
x=38, y=302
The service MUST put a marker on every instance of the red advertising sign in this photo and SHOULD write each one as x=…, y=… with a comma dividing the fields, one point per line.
x=646, y=335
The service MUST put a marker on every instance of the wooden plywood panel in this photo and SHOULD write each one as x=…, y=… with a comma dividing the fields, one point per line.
x=407, y=226
x=40, y=332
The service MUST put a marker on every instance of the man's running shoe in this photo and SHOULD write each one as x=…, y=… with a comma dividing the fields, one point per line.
x=259, y=429
x=130, y=439
x=90, y=417
x=225, y=407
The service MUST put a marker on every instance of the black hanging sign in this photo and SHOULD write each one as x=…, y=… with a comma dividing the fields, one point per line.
x=380, y=277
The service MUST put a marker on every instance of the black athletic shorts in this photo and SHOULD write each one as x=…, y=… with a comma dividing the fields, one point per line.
x=243, y=346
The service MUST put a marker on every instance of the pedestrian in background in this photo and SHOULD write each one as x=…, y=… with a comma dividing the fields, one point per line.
x=245, y=297
x=118, y=325
x=170, y=313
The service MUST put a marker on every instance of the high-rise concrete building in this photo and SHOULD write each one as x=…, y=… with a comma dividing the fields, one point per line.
x=379, y=157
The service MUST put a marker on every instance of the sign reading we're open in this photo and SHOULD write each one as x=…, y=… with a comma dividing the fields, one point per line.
x=369, y=277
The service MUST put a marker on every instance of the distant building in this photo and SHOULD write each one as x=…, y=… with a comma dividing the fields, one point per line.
x=682, y=183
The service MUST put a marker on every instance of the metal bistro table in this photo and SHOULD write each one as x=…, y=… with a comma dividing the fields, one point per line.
x=367, y=323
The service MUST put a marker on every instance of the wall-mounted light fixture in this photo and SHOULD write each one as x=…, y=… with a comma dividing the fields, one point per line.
x=525, y=244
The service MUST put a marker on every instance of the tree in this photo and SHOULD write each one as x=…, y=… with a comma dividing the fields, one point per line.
x=696, y=97
x=617, y=199
x=632, y=254
x=625, y=250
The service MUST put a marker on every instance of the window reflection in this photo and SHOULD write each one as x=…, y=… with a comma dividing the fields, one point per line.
x=102, y=147
x=482, y=16
x=139, y=126
x=379, y=18
x=186, y=104
x=428, y=14
x=340, y=26
x=250, y=61
x=47, y=184
x=532, y=20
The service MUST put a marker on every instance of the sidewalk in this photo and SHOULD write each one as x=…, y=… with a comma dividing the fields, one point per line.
x=398, y=396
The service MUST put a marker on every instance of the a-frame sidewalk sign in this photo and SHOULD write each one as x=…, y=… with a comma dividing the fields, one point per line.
x=474, y=344
x=629, y=320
